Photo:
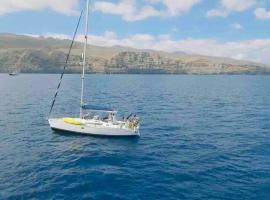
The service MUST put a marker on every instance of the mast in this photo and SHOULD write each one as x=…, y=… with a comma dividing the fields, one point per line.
x=84, y=54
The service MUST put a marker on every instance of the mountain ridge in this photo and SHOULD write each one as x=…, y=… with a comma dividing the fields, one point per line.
x=47, y=55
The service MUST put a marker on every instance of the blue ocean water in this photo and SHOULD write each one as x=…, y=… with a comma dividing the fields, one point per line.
x=202, y=137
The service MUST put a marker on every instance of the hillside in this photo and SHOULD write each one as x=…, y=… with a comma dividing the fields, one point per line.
x=47, y=55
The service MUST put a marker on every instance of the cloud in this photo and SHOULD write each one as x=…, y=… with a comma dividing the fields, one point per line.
x=257, y=50
x=127, y=9
x=237, y=26
x=55, y=35
x=67, y=7
x=237, y=5
x=130, y=11
x=217, y=13
x=178, y=7
x=262, y=13
x=227, y=6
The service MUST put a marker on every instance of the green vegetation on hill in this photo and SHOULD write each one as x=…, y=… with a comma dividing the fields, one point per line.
x=47, y=55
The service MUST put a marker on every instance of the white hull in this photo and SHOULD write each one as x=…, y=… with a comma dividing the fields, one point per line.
x=89, y=127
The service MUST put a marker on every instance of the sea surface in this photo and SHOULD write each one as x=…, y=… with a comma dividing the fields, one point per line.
x=202, y=137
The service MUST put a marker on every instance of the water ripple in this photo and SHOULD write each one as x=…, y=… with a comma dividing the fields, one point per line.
x=202, y=137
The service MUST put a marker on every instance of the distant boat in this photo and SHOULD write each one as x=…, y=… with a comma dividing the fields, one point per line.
x=14, y=73
x=93, y=120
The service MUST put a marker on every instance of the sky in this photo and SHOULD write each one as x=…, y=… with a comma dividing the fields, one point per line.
x=238, y=29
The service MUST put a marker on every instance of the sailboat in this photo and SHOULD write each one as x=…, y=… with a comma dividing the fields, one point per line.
x=93, y=119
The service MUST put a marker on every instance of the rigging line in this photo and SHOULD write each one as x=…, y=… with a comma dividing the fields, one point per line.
x=62, y=74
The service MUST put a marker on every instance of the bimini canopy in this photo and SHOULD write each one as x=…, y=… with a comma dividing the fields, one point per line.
x=97, y=108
